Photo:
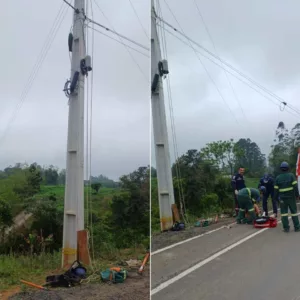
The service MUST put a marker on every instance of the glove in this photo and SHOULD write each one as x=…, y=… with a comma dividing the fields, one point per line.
x=236, y=192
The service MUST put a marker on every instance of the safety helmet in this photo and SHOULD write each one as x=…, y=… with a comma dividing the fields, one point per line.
x=262, y=189
x=266, y=178
x=284, y=166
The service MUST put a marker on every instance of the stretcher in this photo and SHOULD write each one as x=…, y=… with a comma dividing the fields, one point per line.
x=265, y=222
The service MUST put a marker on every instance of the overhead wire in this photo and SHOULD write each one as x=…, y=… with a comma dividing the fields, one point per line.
x=118, y=34
x=121, y=40
x=87, y=201
x=132, y=48
x=279, y=99
x=231, y=73
x=135, y=12
x=108, y=29
x=91, y=136
x=172, y=118
x=89, y=99
x=204, y=67
x=39, y=62
x=214, y=46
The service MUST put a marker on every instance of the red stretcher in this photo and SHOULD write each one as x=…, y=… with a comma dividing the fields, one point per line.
x=265, y=222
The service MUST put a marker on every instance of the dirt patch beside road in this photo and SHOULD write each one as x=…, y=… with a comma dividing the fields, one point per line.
x=161, y=240
x=135, y=287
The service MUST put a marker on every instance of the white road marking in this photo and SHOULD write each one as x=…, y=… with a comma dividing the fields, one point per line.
x=207, y=260
x=187, y=240
x=192, y=238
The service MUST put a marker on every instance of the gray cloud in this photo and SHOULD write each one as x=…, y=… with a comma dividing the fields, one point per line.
x=120, y=141
x=260, y=39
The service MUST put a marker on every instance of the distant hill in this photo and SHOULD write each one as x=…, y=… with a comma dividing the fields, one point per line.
x=105, y=181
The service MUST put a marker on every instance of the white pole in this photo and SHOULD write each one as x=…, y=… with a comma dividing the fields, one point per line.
x=74, y=192
x=162, y=154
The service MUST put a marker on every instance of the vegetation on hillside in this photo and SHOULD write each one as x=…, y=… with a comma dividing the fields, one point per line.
x=202, y=178
x=285, y=147
x=118, y=214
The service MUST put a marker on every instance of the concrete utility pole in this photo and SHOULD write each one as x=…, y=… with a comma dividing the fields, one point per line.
x=159, y=68
x=74, y=192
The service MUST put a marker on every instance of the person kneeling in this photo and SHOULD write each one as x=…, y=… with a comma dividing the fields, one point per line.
x=247, y=197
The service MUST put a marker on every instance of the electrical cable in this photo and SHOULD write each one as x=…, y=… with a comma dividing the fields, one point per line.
x=91, y=134
x=208, y=74
x=231, y=73
x=112, y=31
x=43, y=54
x=135, y=12
x=279, y=99
x=86, y=42
x=121, y=40
x=132, y=48
x=214, y=46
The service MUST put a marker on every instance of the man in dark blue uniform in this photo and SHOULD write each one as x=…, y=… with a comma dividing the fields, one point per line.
x=237, y=184
x=268, y=182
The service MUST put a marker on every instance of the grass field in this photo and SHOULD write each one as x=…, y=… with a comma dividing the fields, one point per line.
x=59, y=190
x=252, y=182
x=36, y=268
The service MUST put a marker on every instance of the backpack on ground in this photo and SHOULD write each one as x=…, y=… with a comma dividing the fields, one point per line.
x=72, y=277
x=114, y=275
x=177, y=226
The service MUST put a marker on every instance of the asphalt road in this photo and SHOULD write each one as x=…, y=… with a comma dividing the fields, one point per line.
x=264, y=267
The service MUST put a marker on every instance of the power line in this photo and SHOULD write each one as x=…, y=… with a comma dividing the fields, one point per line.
x=132, y=48
x=90, y=135
x=208, y=74
x=76, y=10
x=47, y=44
x=121, y=40
x=135, y=12
x=111, y=30
x=231, y=67
x=214, y=46
x=231, y=73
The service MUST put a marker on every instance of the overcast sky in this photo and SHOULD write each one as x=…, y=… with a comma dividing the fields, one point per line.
x=260, y=38
x=121, y=115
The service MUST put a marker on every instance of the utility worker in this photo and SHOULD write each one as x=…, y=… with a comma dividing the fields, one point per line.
x=246, y=198
x=286, y=189
x=268, y=183
x=237, y=184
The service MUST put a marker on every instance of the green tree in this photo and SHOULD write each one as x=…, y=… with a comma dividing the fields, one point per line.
x=285, y=147
x=51, y=175
x=252, y=159
x=6, y=217
x=48, y=217
x=222, y=154
x=96, y=187
x=62, y=177
x=130, y=209
x=29, y=182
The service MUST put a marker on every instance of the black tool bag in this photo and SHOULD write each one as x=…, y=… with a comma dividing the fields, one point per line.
x=67, y=279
